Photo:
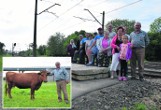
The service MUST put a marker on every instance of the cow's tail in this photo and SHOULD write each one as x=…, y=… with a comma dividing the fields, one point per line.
x=6, y=87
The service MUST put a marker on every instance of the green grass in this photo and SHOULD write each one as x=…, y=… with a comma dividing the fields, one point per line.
x=45, y=97
x=137, y=106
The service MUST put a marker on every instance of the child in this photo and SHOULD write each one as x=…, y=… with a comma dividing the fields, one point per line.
x=125, y=55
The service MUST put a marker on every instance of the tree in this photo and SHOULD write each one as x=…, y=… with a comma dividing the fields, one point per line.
x=118, y=22
x=42, y=50
x=55, y=45
x=2, y=45
x=153, y=49
x=74, y=36
x=155, y=27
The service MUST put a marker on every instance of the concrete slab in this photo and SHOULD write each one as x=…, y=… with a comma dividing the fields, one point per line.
x=83, y=72
x=80, y=88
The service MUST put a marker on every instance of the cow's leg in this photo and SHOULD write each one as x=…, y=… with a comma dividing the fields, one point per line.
x=32, y=93
x=9, y=90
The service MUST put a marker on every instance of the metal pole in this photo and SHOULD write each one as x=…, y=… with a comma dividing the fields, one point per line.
x=12, y=49
x=103, y=20
x=35, y=29
x=48, y=8
x=93, y=16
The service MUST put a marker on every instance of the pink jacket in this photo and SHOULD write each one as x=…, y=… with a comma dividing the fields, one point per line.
x=129, y=51
x=113, y=43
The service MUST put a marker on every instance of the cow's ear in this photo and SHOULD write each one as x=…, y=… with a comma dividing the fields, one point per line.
x=48, y=73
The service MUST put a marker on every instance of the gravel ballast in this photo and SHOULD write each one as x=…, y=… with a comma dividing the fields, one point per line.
x=125, y=94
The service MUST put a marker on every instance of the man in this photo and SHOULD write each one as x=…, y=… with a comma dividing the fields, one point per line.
x=139, y=40
x=97, y=37
x=77, y=49
x=81, y=52
x=78, y=42
x=111, y=33
x=61, y=77
x=125, y=32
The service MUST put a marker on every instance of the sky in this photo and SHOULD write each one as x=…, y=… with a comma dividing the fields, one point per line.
x=44, y=62
x=17, y=18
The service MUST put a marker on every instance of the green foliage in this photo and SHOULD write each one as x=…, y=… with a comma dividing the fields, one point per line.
x=0, y=64
x=152, y=52
x=2, y=45
x=45, y=97
x=42, y=50
x=74, y=36
x=156, y=26
x=124, y=108
x=26, y=53
x=55, y=45
x=140, y=106
x=118, y=22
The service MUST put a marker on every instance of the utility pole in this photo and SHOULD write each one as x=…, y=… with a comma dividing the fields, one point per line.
x=103, y=20
x=13, y=46
x=93, y=16
x=35, y=24
x=35, y=30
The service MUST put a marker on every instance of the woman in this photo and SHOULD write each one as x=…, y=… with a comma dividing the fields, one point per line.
x=89, y=52
x=104, y=49
x=71, y=48
x=115, y=44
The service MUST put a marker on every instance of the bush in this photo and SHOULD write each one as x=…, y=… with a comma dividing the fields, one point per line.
x=153, y=50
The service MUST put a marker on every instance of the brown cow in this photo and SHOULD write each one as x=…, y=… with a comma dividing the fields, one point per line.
x=25, y=80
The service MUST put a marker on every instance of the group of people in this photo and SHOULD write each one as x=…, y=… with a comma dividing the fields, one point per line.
x=117, y=48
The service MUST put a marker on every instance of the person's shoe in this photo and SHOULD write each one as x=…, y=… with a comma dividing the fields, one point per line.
x=99, y=65
x=111, y=77
x=66, y=101
x=141, y=79
x=120, y=78
x=60, y=101
x=89, y=64
x=124, y=78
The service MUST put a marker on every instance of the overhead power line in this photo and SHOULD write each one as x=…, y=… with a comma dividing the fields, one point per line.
x=84, y=19
x=48, y=8
x=61, y=15
x=52, y=13
x=124, y=6
x=71, y=8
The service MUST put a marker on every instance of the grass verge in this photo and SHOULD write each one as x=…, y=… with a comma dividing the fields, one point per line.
x=45, y=97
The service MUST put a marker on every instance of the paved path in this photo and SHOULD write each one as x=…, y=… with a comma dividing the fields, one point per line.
x=80, y=88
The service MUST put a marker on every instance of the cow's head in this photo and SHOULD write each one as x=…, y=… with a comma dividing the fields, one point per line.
x=43, y=75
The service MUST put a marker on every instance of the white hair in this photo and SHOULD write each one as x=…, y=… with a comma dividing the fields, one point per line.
x=57, y=63
x=106, y=32
x=137, y=23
